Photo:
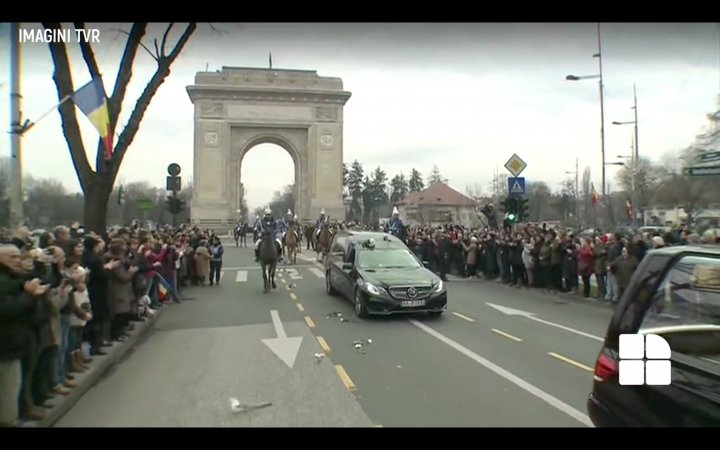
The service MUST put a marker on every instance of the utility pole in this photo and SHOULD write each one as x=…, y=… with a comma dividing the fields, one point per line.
x=637, y=146
x=577, y=192
x=602, y=110
x=633, y=182
x=16, y=129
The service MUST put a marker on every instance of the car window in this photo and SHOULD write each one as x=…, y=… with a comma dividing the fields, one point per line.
x=387, y=259
x=350, y=255
x=685, y=309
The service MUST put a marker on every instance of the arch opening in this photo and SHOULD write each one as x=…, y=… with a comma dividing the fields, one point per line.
x=268, y=177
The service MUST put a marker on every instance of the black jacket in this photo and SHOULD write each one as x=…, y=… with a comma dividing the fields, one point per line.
x=16, y=316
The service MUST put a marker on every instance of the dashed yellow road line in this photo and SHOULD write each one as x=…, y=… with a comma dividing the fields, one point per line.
x=323, y=344
x=309, y=322
x=300, y=307
x=572, y=362
x=345, y=378
x=293, y=296
x=507, y=335
x=464, y=317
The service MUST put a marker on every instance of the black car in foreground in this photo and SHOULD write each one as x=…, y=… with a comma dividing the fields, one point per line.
x=673, y=294
x=380, y=275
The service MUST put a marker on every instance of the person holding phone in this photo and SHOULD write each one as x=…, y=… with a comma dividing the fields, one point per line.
x=97, y=287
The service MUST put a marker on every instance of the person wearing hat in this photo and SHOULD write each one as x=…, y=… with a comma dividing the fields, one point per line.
x=262, y=225
x=322, y=220
x=395, y=225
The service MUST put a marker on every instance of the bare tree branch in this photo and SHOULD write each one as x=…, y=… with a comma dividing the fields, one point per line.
x=71, y=129
x=181, y=42
x=164, y=39
x=157, y=50
x=163, y=70
x=88, y=53
x=121, y=83
x=125, y=73
x=141, y=44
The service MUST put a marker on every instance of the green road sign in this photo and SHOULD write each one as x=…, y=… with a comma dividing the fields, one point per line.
x=701, y=171
x=144, y=204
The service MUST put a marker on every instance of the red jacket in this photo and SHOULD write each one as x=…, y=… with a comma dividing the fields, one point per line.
x=586, y=261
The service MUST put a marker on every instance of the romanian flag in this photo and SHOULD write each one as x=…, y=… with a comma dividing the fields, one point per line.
x=594, y=196
x=163, y=288
x=92, y=102
x=162, y=292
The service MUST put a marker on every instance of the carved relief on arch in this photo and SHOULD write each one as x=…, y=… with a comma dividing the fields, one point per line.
x=212, y=109
x=325, y=114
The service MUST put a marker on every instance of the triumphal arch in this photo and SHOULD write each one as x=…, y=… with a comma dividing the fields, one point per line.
x=238, y=108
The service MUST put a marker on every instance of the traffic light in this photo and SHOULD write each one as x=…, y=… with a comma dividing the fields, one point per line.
x=505, y=205
x=174, y=204
x=511, y=209
x=523, y=209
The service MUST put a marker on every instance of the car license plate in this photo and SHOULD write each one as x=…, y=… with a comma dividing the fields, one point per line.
x=412, y=303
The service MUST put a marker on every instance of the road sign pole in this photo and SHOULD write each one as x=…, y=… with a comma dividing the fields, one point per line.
x=174, y=212
x=174, y=171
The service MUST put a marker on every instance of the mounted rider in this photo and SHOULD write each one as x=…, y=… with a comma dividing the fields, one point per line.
x=290, y=221
x=263, y=224
x=284, y=224
x=322, y=220
x=395, y=225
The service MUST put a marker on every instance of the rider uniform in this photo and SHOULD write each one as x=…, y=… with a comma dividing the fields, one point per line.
x=262, y=224
x=322, y=220
x=395, y=225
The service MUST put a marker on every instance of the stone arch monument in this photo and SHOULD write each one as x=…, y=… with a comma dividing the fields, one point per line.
x=238, y=108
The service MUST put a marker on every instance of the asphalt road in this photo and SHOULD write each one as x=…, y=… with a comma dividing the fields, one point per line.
x=500, y=357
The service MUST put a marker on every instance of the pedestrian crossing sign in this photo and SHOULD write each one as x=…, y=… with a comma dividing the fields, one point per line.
x=516, y=185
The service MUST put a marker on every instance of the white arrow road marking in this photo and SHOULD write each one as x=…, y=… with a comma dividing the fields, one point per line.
x=286, y=348
x=317, y=272
x=537, y=392
x=531, y=316
x=241, y=276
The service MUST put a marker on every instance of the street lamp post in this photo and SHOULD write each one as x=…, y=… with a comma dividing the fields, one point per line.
x=635, y=158
x=599, y=76
x=636, y=153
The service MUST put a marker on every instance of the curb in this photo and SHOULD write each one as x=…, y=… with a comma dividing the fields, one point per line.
x=61, y=404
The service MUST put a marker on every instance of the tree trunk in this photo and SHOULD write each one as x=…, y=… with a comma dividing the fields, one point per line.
x=97, y=196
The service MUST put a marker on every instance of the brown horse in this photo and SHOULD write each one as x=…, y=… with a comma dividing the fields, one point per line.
x=322, y=241
x=291, y=242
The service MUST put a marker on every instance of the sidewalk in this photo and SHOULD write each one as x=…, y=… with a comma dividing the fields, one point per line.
x=61, y=404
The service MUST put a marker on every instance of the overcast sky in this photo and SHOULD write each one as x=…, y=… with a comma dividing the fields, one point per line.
x=463, y=96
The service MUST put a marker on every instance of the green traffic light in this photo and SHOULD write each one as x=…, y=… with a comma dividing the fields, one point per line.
x=511, y=216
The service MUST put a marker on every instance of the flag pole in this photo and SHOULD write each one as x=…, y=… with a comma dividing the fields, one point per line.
x=29, y=123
